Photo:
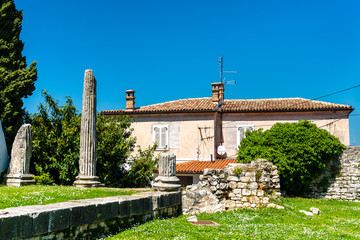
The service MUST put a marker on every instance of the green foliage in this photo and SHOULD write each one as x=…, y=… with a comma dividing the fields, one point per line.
x=16, y=80
x=299, y=150
x=142, y=168
x=56, y=141
x=237, y=170
x=114, y=145
x=56, y=148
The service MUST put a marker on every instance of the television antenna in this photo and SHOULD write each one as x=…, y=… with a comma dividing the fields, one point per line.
x=222, y=79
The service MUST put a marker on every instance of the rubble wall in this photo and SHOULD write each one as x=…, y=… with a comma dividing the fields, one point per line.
x=236, y=186
x=341, y=178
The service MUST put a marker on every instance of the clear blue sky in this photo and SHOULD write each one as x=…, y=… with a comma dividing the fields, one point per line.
x=167, y=50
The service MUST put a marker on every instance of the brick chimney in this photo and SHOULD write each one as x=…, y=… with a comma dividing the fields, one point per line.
x=130, y=99
x=218, y=91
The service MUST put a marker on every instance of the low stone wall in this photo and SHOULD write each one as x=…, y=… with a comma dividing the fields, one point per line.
x=341, y=179
x=87, y=219
x=252, y=185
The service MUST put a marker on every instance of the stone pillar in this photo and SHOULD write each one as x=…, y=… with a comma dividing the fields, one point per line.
x=167, y=180
x=4, y=159
x=20, y=158
x=87, y=163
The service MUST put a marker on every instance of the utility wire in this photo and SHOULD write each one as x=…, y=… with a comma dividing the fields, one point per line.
x=347, y=89
x=344, y=90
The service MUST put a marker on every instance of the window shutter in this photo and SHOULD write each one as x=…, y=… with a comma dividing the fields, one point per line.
x=161, y=136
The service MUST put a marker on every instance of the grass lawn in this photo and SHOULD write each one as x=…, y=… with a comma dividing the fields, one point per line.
x=337, y=220
x=40, y=195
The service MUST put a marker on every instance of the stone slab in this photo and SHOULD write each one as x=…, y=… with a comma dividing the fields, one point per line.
x=29, y=221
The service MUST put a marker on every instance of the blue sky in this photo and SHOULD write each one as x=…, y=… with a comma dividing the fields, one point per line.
x=167, y=50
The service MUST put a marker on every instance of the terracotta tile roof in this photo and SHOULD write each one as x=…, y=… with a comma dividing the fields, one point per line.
x=199, y=166
x=235, y=105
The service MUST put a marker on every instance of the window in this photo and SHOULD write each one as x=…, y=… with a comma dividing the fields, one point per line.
x=241, y=129
x=160, y=136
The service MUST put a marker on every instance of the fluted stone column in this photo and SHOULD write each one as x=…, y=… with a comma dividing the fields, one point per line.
x=87, y=163
x=20, y=158
x=167, y=180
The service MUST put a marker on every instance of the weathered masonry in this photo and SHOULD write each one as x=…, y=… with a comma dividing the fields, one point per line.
x=236, y=186
x=341, y=179
x=87, y=219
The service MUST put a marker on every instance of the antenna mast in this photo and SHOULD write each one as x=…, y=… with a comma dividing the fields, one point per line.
x=221, y=68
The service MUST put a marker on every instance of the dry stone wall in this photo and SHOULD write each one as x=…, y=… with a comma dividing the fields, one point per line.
x=236, y=186
x=341, y=179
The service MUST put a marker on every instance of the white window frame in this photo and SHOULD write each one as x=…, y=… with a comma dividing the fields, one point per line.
x=245, y=125
x=161, y=146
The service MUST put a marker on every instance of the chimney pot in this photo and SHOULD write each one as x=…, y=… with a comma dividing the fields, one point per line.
x=130, y=99
x=218, y=91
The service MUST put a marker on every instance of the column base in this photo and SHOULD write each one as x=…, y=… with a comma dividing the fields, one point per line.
x=20, y=180
x=87, y=182
x=167, y=184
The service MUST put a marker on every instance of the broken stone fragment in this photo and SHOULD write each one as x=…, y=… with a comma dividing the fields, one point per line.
x=314, y=210
x=307, y=213
x=192, y=219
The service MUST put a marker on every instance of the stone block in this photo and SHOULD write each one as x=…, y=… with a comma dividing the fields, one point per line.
x=59, y=219
x=253, y=185
x=107, y=210
x=15, y=226
x=223, y=186
x=208, y=172
x=232, y=179
x=83, y=214
x=140, y=206
x=245, y=179
x=242, y=185
x=246, y=192
x=124, y=209
x=232, y=185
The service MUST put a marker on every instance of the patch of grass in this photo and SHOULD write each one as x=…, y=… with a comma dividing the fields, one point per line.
x=40, y=195
x=337, y=220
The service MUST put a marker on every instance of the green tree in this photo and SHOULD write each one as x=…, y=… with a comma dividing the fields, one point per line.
x=56, y=141
x=56, y=148
x=114, y=145
x=299, y=150
x=16, y=80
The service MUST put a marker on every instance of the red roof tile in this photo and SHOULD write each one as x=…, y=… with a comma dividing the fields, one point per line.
x=199, y=166
x=235, y=105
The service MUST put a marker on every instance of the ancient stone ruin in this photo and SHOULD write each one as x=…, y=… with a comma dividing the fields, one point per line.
x=341, y=178
x=4, y=159
x=20, y=158
x=87, y=163
x=167, y=180
x=250, y=185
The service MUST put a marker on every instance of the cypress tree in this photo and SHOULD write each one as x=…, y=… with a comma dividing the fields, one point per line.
x=16, y=80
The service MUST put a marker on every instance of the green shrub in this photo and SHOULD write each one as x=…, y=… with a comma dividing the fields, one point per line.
x=114, y=145
x=299, y=150
x=142, y=168
x=237, y=170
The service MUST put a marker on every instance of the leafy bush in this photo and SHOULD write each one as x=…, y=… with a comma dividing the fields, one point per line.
x=56, y=144
x=299, y=150
x=114, y=145
x=142, y=168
